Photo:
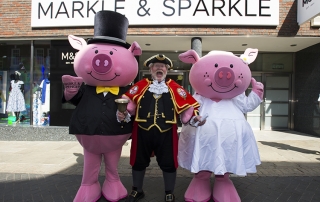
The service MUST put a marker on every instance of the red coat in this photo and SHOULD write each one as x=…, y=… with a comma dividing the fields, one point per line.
x=182, y=101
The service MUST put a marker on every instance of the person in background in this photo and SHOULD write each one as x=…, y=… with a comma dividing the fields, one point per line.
x=156, y=105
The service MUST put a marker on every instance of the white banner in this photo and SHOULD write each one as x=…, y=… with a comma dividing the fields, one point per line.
x=70, y=13
x=307, y=9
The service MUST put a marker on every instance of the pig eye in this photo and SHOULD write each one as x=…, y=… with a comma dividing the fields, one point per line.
x=111, y=53
x=216, y=65
x=96, y=51
x=231, y=65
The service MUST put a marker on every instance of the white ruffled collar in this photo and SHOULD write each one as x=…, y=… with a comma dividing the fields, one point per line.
x=158, y=88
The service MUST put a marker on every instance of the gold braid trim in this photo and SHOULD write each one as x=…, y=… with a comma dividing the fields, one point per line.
x=147, y=129
x=184, y=107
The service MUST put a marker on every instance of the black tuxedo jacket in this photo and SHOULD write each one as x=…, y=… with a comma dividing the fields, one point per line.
x=95, y=114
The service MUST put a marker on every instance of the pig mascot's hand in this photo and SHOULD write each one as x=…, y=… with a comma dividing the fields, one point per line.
x=71, y=86
x=257, y=87
x=187, y=115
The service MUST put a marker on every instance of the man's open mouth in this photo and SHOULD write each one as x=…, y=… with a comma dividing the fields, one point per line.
x=158, y=73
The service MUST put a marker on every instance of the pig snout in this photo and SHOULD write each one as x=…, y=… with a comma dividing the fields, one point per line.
x=101, y=63
x=224, y=77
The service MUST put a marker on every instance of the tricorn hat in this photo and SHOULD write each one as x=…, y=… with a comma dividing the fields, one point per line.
x=159, y=58
x=110, y=27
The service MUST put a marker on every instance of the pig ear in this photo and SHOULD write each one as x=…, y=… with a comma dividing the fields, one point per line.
x=77, y=42
x=250, y=54
x=135, y=48
x=189, y=56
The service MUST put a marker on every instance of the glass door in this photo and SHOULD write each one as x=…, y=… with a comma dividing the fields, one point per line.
x=274, y=111
x=276, y=106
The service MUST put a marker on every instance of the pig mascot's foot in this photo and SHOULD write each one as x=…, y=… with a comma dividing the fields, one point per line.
x=88, y=193
x=90, y=189
x=224, y=190
x=113, y=189
x=199, y=189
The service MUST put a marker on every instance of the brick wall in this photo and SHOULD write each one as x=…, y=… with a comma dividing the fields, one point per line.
x=15, y=22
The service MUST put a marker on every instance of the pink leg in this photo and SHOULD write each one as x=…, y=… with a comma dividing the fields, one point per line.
x=199, y=189
x=90, y=189
x=113, y=189
x=224, y=190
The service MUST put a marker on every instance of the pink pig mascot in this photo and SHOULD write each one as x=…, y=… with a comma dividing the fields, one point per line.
x=226, y=143
x=105, y=66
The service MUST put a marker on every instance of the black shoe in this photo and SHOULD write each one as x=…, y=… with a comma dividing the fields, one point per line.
x=169, y=198
x=135, y=196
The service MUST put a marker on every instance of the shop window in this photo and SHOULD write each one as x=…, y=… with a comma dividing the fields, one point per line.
x=48, y=58
x=15, y=56
x=15, y=60
x=39, y=55
x=41, y=79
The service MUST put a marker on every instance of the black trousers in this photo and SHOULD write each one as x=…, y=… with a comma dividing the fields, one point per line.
x=159, y=143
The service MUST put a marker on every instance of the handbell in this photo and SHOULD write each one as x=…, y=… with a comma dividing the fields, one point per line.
x=122, y=104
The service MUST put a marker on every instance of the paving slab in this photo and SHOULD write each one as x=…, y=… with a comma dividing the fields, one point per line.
x=50, y=170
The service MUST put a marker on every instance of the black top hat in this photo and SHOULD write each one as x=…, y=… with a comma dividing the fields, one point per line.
x=110, y=27
x=159, y=58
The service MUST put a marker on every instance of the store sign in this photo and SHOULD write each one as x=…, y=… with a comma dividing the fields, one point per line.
x=307, y=9
x=68, y=13
x=68, y=57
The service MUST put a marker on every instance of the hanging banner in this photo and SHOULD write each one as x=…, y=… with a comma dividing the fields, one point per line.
x=68, y=13
x=307, y=10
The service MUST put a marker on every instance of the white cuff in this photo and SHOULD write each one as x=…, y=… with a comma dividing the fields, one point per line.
x=127, y=119
x=193, y=123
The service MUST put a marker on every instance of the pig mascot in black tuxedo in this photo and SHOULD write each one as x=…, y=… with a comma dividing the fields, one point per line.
x=105, y=65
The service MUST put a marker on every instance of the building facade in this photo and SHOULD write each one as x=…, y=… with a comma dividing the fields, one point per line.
x=33, y=41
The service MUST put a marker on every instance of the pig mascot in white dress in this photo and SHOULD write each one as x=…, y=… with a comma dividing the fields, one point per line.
x=105, y=66
x=225, y=144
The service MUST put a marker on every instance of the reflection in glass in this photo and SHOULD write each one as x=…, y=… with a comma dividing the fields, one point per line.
x=41, y=83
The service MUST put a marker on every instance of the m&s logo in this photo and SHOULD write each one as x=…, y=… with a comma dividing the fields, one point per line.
x=305, y=2
x=68, y=57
